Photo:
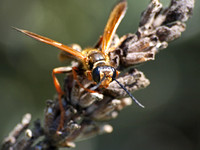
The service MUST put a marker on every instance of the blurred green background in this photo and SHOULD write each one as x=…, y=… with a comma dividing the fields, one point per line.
x=171, y=119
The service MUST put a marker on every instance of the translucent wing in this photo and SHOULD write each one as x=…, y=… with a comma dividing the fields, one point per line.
x=61, y=46
x=113, y=22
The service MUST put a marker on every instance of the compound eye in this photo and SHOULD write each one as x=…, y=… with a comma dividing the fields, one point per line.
x=114, y=74
x=96, y=75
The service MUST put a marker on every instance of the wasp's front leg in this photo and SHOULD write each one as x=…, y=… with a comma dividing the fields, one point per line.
x=60, y=92
x=74, y=70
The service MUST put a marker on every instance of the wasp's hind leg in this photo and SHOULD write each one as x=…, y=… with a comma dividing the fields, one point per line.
x=60, y=92
x=98, y=43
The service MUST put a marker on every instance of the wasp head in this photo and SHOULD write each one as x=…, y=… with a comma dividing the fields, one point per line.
x=104, y=74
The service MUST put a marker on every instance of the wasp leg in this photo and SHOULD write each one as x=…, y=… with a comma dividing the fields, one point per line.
x=74, y=69
x=60, y=92
x=99, y=42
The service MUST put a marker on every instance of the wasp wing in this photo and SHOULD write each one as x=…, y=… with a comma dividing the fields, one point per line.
x=113, y=22
x=61, y=46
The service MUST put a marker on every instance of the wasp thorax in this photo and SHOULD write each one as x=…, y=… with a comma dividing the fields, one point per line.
x=101, y=72
x=95, y=57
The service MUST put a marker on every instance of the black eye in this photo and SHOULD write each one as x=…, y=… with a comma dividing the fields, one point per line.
x=114, y=73
x=96, y=75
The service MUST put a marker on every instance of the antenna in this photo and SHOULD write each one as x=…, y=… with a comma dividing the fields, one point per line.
x=133, y=98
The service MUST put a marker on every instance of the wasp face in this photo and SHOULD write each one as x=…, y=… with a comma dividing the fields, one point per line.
x=99, y=72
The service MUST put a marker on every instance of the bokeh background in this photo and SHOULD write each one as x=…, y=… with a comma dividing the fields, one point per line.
x=171, y=119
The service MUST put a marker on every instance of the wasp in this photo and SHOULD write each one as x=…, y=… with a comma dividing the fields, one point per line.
x=95, y=61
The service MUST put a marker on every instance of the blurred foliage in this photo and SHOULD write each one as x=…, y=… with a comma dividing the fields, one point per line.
x=171, y=119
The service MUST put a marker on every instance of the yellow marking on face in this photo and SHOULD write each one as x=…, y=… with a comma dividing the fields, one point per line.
x=105, y=83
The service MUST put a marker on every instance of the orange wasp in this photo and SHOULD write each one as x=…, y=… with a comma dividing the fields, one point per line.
x=95, y=61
